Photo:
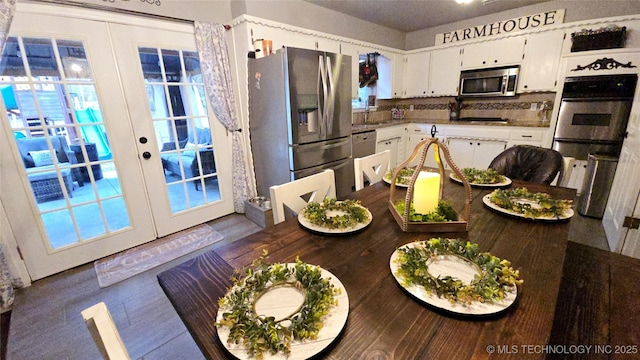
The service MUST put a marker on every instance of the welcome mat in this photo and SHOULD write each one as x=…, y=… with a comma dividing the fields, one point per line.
x=134, y=261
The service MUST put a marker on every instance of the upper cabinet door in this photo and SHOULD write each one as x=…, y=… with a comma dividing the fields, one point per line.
x=444, y=72
x=416, y=74
x=493, y=53
x=277, y=36
x=398, y=76
x=306, y=41
x=352, y=50
x=384, y=63
x=541, y=59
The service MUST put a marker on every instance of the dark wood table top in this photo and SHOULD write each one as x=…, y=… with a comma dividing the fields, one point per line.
x=384, y=321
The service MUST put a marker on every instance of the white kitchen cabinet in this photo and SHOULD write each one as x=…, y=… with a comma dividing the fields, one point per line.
x=308, y=41
x=392, y=138
x=416, y=74
x=532, y=137
x=279, y=37
x=444, y=72
x=417, y=133
x=473, y=152
x=392, y=144
x=539, y=68
x=397, y=86
x=353, y=51
x=384, y=84
x=492, y=53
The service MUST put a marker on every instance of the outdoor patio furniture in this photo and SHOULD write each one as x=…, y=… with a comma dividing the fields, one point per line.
x=171, y=158
x=41, y=174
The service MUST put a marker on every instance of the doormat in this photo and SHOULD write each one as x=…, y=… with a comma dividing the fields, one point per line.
x=134, y=261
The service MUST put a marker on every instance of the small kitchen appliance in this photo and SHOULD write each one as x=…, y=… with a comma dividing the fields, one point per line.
x=493, y=82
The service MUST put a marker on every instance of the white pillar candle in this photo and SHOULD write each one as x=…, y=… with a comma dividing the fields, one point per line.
x=426, y=192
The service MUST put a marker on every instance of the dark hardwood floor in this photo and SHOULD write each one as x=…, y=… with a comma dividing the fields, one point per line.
x=46, y=321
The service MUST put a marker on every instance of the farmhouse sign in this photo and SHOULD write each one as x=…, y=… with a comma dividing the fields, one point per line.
x=502, y=27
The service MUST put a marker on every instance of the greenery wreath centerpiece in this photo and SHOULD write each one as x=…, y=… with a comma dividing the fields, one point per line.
x=489, y=285
x=404, y=176
x=545, y=206
x=265, y=334
x=479, y=176
x=334, y=214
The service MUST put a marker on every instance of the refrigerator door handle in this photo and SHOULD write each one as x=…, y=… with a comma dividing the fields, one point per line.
x=330, y=102
x=322, y=103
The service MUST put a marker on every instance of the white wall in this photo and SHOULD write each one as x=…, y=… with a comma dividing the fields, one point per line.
x=309, y=16
x=218, y=11
x=294, y=12
x=576, y=10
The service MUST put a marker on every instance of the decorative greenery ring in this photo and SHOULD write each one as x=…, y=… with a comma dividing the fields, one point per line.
x=495, y=274
x=265, y=334
x=404, y=176
x=531, y=205
x=333, y=214
x=479, y=176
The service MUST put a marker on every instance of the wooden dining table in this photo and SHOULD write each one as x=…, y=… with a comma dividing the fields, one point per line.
x=384, y=320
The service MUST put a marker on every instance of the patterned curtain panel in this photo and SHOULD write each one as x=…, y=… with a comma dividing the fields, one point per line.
x=214, y=57
x=7, y=8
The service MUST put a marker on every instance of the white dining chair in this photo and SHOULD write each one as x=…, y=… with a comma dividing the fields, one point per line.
x=292, y=194
x=104, y=332
x=371, y=168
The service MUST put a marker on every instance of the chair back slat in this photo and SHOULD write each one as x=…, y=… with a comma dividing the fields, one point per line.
x=371, y=168
x=104, y=332
x=292, y=194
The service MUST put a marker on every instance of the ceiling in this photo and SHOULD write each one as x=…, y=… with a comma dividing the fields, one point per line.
x=412, y=15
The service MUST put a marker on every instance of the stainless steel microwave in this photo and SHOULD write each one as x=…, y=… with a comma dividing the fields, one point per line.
x=501, y=81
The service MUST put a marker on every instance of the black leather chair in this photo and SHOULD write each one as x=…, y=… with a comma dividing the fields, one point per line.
x=529, y=163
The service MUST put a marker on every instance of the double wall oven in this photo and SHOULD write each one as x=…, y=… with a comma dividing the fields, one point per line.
x=594, y=112
x=591, y=127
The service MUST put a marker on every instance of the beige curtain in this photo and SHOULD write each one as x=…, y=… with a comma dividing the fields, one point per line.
x=7, y=8
x=214, y=57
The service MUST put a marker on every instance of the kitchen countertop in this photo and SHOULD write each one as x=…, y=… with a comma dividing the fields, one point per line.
x=358, y=128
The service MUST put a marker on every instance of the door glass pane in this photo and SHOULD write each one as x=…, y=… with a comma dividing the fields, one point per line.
x=178, y=107
x=52, y=106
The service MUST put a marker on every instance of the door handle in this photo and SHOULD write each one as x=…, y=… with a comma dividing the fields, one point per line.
x=146, y=155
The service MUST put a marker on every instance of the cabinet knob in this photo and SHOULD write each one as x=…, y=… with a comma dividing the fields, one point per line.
x=495, y=61
x=484, y=62
x=146, y=155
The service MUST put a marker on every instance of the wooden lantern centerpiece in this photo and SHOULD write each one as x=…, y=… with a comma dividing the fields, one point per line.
x=424, y=191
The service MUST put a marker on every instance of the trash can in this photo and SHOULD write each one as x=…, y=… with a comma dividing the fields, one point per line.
x=597, y=185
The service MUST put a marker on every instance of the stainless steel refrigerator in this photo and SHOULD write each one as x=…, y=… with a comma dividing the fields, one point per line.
x=300, y=117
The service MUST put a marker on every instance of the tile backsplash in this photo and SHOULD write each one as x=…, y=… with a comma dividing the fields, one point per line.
x=515, y=109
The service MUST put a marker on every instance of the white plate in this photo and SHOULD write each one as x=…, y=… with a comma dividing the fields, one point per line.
x=332, y=325
x=320, y=229
x=506, y=182
x=457, y=268
x=388, y=181
x=487, y=201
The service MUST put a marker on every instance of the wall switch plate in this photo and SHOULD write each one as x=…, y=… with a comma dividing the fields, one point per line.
x=411, y=107
x=534, y=106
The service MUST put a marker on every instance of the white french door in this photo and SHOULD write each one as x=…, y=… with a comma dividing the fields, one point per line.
x=625, y=190
x=180, y=143
x=114, y=142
